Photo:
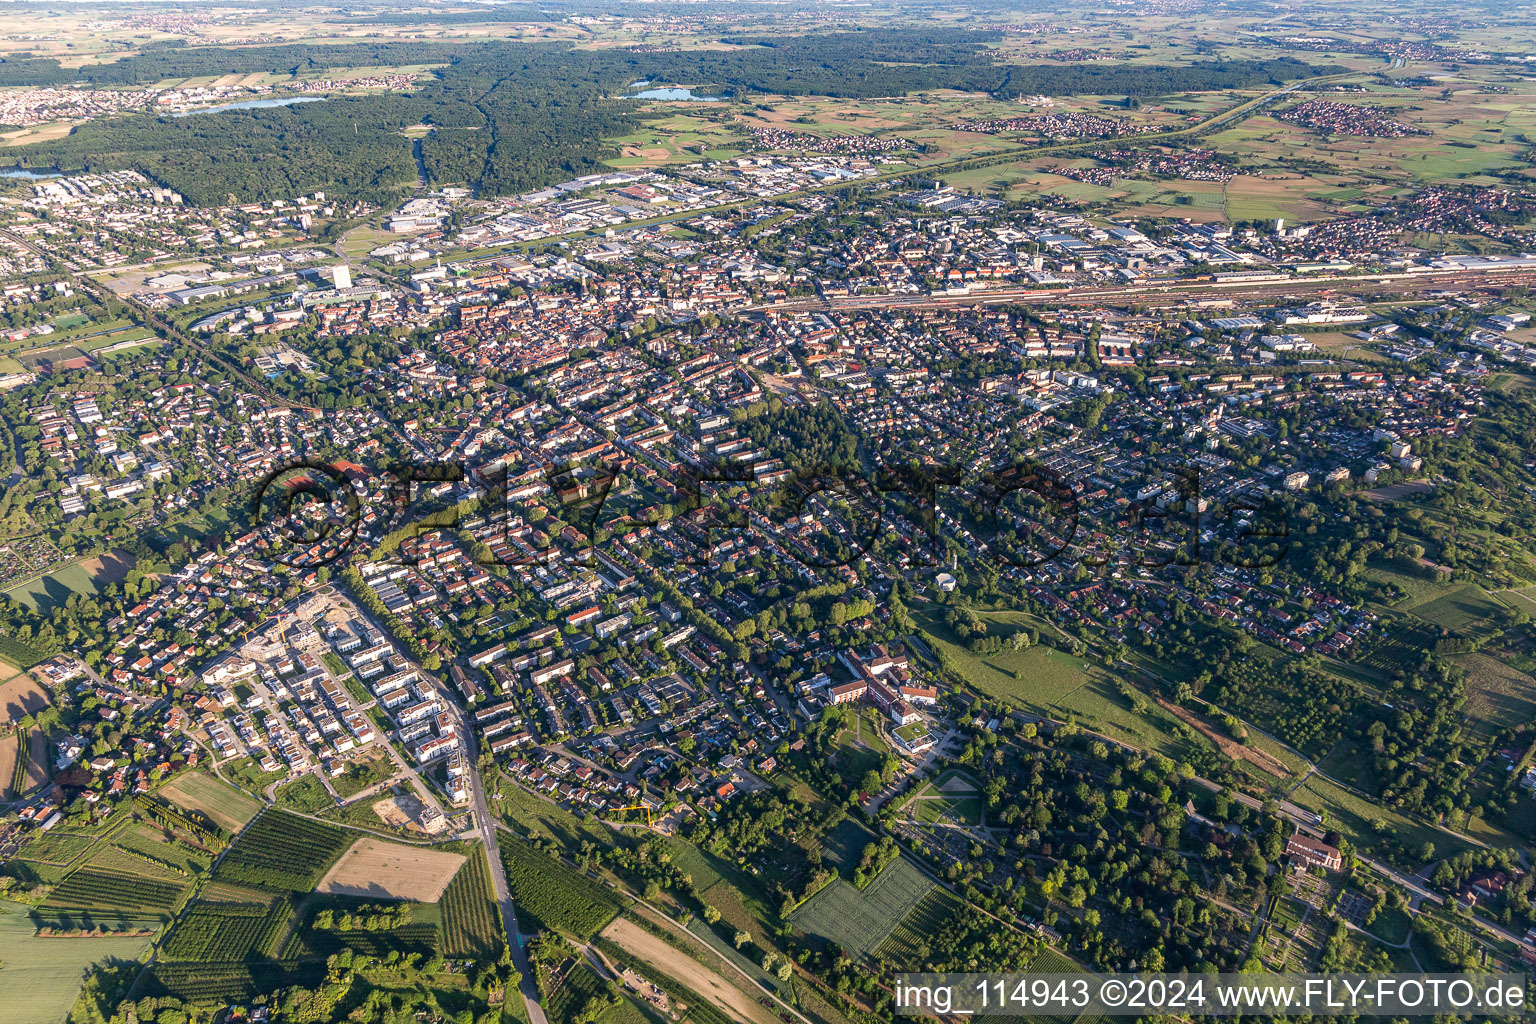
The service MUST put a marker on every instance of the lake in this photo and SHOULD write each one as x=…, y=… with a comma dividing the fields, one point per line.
x=673, y=93
x=251, y=105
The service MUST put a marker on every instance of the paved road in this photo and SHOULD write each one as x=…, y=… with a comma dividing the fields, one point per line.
x=485, y=824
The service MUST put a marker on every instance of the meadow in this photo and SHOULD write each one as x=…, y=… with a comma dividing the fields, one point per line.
x=1053, y=684
x=1499, y=696
x=225, y=805
x=41, y=975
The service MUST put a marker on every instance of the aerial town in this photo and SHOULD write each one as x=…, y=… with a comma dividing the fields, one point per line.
x=846, y=531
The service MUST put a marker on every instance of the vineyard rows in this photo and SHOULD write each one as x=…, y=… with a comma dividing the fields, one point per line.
x=91, y=895
x=227, y=931
x=554, y=895
x=283, y=852
x=471, y=924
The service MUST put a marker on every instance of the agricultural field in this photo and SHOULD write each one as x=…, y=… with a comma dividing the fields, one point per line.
x=40, y=975
x=19, y=654
x=1499, y=696
x=858, y=920
x=677, y=138
x=903, y=947
x=283, y=852
x=471, y=920
x=86, y=577
x=48, y=858
x=20, y=695
x=553, y=895
x=226, y=983
x=99, y=899
x=1462, y=131
x=377, y=869
x=710, y=982
x=13, y=748
x=147, y=840
x=227, y=931
x=32, y=772
x=1399, y=646
x=415, y=930
x=1460, y=611
x=222, y=803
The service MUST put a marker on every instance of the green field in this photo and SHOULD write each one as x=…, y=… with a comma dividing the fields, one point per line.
x=581, y=984
x=86, y=578
x=225, y=805
x=98, y=899
x=41, y=976
x=903, y=947
x=223, y=932
x=859, y=920
x=1036, y=678
x=1458, y=610
x=1053, y=684
x=19, y=654
x=843, y=846
x=1498, y=694
x=536, y=817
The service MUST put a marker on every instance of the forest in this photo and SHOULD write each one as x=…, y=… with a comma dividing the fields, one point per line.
x=512, y=116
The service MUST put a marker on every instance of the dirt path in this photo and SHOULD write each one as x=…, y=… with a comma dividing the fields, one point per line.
x=1233, y=749
x=679, y=965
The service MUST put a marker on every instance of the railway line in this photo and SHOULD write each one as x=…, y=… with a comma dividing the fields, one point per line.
x=1168, y=293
